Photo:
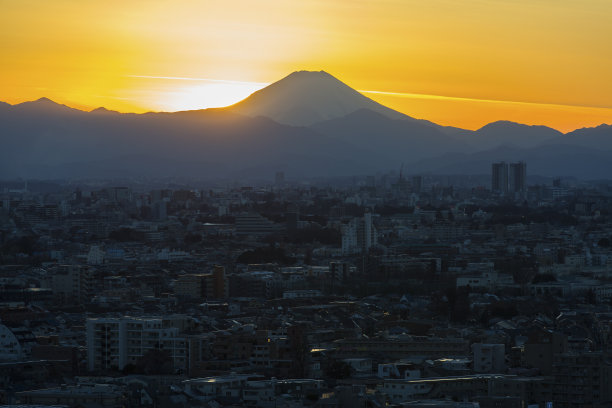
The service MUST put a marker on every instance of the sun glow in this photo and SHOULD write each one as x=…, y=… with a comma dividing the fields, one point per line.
x=207, y=95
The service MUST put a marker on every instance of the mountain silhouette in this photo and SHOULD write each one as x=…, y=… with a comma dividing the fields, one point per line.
x=53, y=141
x=397, y=139
x=328, y=129
x=307, y=97
x=103, y=110
x=595, y=137
x=516, y=134
x=45, y=105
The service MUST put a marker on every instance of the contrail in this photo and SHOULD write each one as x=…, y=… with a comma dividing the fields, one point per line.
x=458, y=98
x=223, y=81
x=396, y=94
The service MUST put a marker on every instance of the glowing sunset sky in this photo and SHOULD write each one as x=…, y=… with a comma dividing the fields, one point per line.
x=462, y=63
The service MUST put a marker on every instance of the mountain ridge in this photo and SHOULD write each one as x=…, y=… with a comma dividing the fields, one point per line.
x=450, y=129
x=46, y=138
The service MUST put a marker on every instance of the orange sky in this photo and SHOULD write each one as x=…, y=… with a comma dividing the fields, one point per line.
x=462, y=63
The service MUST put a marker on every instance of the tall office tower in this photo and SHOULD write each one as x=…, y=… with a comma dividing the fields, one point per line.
x=517, y=177
x=499, y=177
x=220, y=282
x=279, y=179
x=417, y=183
x=371, y=181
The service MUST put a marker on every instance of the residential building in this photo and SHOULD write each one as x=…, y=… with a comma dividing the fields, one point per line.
x=116, y=342
x=489, y=358
x=359, y=235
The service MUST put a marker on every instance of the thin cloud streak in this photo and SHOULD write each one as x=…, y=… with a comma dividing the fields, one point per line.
x=397, y=94
x=222, y=81
x=458, y=98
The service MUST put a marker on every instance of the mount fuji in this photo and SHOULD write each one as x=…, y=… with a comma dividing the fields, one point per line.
x=304, y=98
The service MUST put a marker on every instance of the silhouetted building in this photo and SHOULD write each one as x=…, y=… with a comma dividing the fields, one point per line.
x=582, y=380
x=160, y=211
x=339, y=271
x=541, y=348
x=293, y=217
x=417, y=184
x=279, y=180
x=517, y=177
x=499, y=177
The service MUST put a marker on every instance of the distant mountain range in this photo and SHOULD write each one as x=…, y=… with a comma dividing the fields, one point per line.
x=307, y=124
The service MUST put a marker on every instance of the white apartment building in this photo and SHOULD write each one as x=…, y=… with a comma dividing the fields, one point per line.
x=359, y=235
x=116, y=342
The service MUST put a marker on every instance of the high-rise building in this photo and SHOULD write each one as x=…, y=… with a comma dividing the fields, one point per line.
x=359, y=235
x=220, y=283
x=517, y=177
x=499, y=177
x=507, y=178
x=160, y=210
x=279, y=179
x=371, y=181
x=417, y=183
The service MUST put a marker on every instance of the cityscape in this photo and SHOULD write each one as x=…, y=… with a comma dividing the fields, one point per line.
x=388, y=290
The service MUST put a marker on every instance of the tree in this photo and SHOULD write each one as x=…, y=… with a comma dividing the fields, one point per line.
x=460, y=312
x=123, y=235
x=458, y=303
x=155, y=361
x=505, y=310
x=192, y=238
x=543, y=277
x=265, y=255
x=591, y=297
x=338, y=370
